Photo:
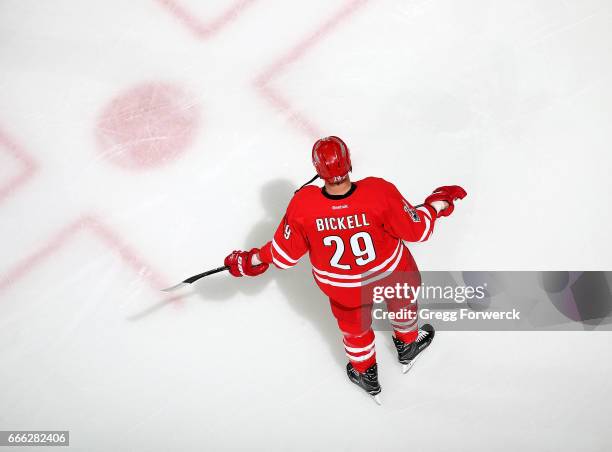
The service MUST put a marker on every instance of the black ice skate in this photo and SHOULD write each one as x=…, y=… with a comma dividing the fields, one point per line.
x=408, y=353
x=368, y=380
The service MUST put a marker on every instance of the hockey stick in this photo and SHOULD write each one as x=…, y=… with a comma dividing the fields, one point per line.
x=194, y=278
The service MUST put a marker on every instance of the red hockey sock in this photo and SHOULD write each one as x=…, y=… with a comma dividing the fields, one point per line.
x=408, y=337
x=405, y=326
x=360, y=350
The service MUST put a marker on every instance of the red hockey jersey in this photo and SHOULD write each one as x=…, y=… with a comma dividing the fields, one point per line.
x=353, y=239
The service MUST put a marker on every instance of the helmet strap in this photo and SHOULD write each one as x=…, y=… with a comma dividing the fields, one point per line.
x=309, y=182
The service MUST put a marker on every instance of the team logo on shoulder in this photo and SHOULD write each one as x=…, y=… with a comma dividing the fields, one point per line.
x=412, y=212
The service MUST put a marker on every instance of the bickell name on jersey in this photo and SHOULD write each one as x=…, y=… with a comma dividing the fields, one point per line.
x=341, y=223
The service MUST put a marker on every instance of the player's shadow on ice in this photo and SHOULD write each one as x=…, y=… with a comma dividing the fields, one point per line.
x=296, y=284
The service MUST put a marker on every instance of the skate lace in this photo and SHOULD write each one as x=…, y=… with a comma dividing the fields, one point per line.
x=371, y=373
x=422, y=335
x=399, y=344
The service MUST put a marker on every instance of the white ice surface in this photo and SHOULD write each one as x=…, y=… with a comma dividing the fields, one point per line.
x=512, y=100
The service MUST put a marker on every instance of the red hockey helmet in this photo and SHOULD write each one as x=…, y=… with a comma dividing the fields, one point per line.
x=332, y=159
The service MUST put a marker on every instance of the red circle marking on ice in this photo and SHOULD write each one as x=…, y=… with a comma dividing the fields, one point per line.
x=147, y=126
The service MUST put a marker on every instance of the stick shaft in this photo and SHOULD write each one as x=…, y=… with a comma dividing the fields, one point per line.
x=206, y=273
x=194, y=278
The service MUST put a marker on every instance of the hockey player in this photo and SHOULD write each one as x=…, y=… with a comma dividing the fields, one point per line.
x=354, y=234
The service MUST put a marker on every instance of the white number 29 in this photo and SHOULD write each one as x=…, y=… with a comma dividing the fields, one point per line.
x=363, y=254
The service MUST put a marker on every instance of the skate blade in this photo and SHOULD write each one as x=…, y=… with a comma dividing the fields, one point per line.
x=407, y=367
x=377, y=399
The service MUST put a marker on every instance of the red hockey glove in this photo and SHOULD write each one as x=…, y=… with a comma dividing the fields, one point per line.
x=448, y=193
x=239, y=263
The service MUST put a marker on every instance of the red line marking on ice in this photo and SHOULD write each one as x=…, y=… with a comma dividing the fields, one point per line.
x=104, y=234
x=18, y=153
x=204, y=30
x=295, y=53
